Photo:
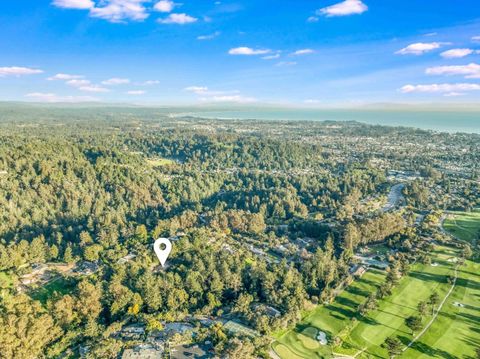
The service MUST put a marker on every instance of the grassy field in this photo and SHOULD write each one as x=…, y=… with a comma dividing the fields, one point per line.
x=464, y=225
x=60, y=286
x=364, y=335
x=159, y=162
x=331, y=319
x=388, y=320
x=456, y=331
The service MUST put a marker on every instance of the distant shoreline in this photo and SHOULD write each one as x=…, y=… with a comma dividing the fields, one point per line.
x=451, y=120
x=440, y=121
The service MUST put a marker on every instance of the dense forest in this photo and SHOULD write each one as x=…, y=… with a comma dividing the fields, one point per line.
x=262, y=214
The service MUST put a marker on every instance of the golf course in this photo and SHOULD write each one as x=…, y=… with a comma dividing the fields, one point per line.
x=453, y=332
x=464, y=225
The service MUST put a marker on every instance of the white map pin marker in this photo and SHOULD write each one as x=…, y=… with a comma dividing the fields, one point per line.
x=162, y=254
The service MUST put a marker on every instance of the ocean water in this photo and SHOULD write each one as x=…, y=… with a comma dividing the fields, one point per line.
x=443, y=121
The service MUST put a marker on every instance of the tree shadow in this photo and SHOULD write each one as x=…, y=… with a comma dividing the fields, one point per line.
x=428, y=350
x=429, y=277
x=470, y=318
x=471, y=307
x=468, y=283
x=347, y=302
x=357, y=291
x=337, y=316
x=368, y=320
x=390, y=313
x=370, y=282
x=345, y=312
x=469, y=273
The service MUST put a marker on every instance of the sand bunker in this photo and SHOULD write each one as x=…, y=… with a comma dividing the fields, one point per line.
x=322, y=338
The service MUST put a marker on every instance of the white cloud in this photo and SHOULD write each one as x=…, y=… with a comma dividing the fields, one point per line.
x=420, y=48
x=74, y=4
x=247, y=51
x=51, y=97
x=271, y=57
x=64, y=77
x=456, y=53
x=150, y=83
x=313, y=19
x=230, y=98
x=78, y=82
x=207, y=95
x=115, y=81
x=475, y=38
x=347, y=7
x=164, y=6
x=440, y=88
x=454, y=94
x=303, y=52
x=18, y=71
x=286, y=63
x=180, y=19
x=136, y=92
x=199, y=90
x=93, y=88
x=470, y=71
x=121, y=10
x=209, y=37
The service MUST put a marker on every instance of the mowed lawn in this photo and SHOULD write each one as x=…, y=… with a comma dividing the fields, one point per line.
x=464, y=225
x=58, y=286
x=388, y=320
x=301, y=342
x=456, y=331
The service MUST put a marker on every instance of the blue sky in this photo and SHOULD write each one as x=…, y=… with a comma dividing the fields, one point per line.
x=311, y=53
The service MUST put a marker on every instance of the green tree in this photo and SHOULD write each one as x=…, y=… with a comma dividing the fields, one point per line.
x=433, y=300
x=91, y=252
x=414, y=323
x=467, y=252
x=422, y=308
x=394, y=274
x=393, y=346
x=68, y=254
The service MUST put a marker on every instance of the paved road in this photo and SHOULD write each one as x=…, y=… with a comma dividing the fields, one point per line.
x=395, y=197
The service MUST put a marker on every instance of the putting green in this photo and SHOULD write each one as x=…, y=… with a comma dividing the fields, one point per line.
x=283, y=352
x=308, y=338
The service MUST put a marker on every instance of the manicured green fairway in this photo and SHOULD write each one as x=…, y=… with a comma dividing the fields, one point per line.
x=363, y=337
x=464, y=225
x=456, y=331
x=389, y=319
x=331, y=319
